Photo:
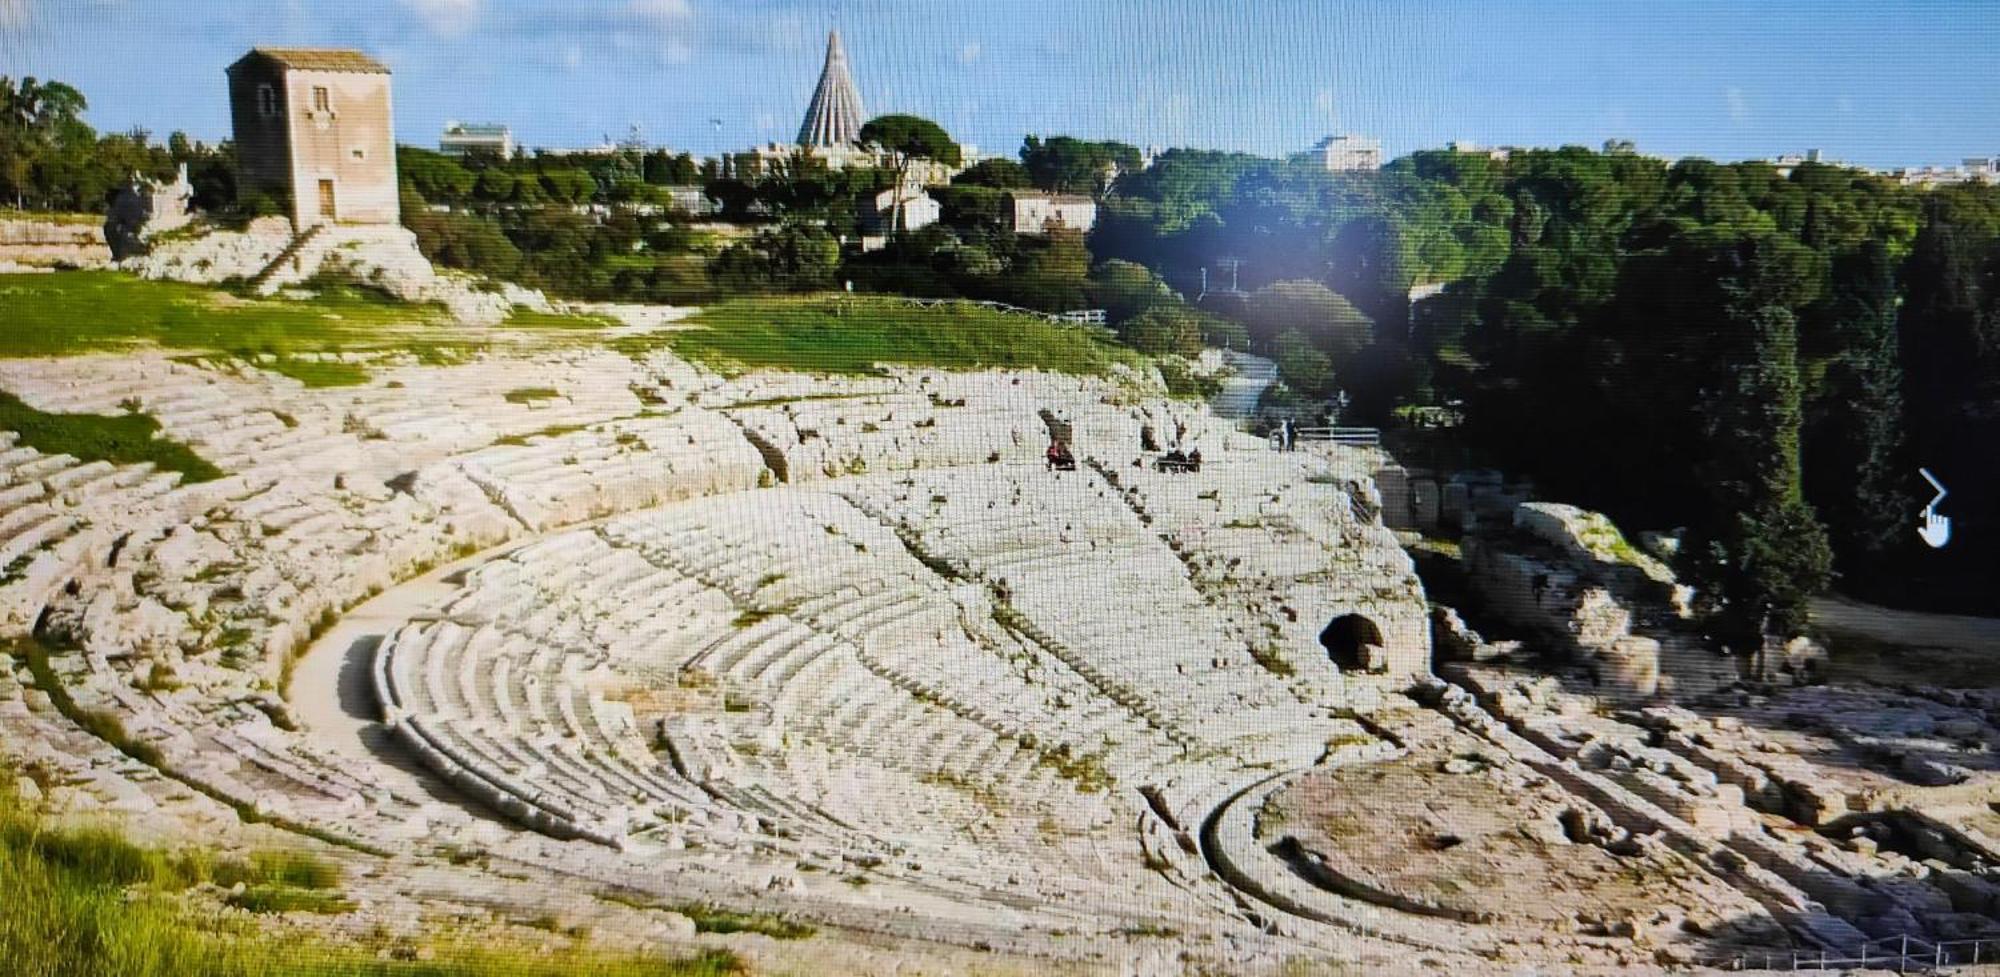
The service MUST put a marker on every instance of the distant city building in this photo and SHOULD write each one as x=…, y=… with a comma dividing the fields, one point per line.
x=1788, y=162
x=313, y=126
x=1039, y=213
x=831, y=132
x=834, y=116
x=690, y=200
x=463, y=139
x=1496, y=153
x=879, y=211
x=1973, y=169
x=1346, y=154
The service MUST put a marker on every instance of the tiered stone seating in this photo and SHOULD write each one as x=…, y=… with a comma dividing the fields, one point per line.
x=836, y=572
x=1054, y=543
x=830, y=437
x=616, y=467
x=847, y=676
x=46, y=503
x=914, y=727
x=466, y=406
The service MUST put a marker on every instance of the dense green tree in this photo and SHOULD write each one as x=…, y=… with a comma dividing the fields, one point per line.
x=569, y=185
x=907, y=139
x=1049, y=274
x=495, y=184
x=1312, y=311
x=435, y=177
x=1124, y=289
x=1165, y=328
x=972, y=208
x=460, y=240
x=1302, y=365
x=790, y=257
x=997, y=173
x=1856, y=465
x=662, y=168
x=1756, y=552
x=1068, y=165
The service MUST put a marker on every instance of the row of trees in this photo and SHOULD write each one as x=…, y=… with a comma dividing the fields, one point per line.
x=51, y=159
x=1762, y=358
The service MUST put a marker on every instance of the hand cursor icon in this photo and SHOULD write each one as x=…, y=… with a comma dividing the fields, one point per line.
x=1933, y=528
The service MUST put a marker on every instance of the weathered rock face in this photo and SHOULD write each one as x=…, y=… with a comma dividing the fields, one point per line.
x=215, y=256
x=142, y=209
x=1570, y=577
x=383, y=256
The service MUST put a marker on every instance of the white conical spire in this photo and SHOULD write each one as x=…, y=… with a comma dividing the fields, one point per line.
x=834, y=118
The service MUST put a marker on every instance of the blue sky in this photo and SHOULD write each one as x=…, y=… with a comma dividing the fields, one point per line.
x=1876, y=83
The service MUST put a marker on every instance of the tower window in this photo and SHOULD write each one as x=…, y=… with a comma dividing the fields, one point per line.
x=267, y=100
x=322, y=99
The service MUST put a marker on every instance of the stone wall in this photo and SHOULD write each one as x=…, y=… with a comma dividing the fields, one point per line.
x=30, y=244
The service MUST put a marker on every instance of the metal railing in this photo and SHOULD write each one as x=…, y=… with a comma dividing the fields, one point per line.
x=1903, y=954
x=1364, y=437
x=1079, y=317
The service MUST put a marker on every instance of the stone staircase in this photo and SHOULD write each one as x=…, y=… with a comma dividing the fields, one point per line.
x=260, y=283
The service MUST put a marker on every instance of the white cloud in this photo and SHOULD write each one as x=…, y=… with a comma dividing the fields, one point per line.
x=1739, y=105
x=969, y=53
x=662, y=12
x=446, y=17
x=1844, y=104
x=671, y=22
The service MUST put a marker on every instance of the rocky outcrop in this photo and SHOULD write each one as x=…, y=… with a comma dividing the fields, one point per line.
x=210, y=256
x=270, y=257
x=143, y=209
x=1569, y=577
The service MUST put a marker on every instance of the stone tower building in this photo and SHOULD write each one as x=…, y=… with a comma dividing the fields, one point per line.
x=313, y=127
x=834, y=118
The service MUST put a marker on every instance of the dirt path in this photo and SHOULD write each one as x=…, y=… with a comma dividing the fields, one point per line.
x=1885, y=645
x=347, y=720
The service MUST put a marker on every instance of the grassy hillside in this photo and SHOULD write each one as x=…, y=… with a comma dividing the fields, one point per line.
x=67, y=313
x=87, y=902
x=853, y=333
x=126, y=439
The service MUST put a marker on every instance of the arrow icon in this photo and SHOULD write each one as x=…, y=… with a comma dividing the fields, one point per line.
x=1933, y=529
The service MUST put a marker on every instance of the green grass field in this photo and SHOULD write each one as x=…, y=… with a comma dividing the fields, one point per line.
x=853, y=333
x=87, y=902
x=319, y=373
x=68, y=313
x=126, y=439
x=526, y=318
